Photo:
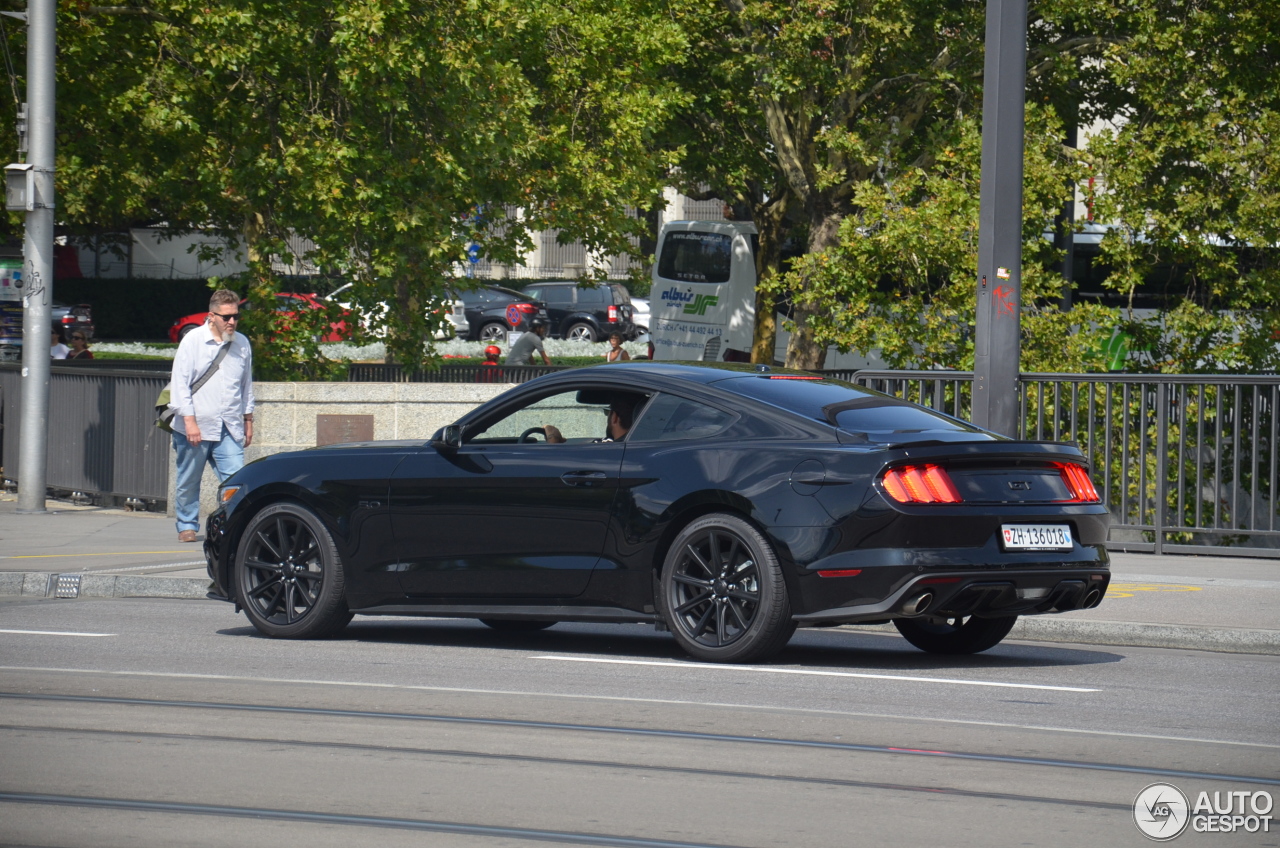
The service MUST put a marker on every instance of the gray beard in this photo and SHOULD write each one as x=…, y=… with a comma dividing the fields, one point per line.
x=228, y=336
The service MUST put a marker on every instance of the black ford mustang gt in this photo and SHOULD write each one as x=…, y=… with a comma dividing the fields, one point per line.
x=728, y=504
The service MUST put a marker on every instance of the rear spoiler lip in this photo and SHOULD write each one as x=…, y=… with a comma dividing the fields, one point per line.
x=1002, y=449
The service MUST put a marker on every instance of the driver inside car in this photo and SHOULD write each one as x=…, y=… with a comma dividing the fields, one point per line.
x=620, y=413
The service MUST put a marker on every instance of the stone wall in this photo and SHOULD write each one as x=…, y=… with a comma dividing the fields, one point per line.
x=285, y=416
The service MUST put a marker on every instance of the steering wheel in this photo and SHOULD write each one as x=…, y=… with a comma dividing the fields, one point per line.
x=533, y=431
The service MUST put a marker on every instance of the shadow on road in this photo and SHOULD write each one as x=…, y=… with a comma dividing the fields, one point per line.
x=825, y=649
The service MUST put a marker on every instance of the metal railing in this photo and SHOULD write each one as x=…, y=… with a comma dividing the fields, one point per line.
x=101, y=437
x=1187, y=463
x=380, y=373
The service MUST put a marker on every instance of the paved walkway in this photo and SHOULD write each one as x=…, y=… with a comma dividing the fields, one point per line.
x=1207, y=603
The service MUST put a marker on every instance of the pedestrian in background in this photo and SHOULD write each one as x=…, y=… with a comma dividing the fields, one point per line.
x=616, y=352
x=214, y=422
x=489, y=369
x=57, y=349
x=79, y=346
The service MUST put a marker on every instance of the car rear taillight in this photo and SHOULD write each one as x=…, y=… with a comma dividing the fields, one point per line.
x=1078, y=483
x=526, y=308
x=920, y=484
x=613, y=314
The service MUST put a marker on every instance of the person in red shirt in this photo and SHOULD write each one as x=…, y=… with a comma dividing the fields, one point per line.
x=489, y=369
x=79, y=347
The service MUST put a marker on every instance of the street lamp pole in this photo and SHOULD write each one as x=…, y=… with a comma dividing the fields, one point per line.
x=37, y=251
x=997, y=338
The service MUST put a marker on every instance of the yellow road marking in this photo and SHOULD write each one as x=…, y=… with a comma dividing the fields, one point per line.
x=120, y=553
x=1127, y=590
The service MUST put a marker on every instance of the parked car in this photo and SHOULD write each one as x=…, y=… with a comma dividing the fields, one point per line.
x=290, y=303
x=78, y=318
x=493, y=311
x=454, y=314
x=742, y=502
x=640, y=315
x=579, y=313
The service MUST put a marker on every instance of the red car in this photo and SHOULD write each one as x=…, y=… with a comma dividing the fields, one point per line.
x=290, y=303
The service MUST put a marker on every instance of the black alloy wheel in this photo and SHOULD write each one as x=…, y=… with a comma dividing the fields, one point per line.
x=723, y=594
x=512, y=625
x=970, y=635
x=289, y=575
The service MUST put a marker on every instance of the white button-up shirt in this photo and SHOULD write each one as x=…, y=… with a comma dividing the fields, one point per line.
x=226, y=398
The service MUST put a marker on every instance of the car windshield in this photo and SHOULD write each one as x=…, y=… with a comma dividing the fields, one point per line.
x=877, y=418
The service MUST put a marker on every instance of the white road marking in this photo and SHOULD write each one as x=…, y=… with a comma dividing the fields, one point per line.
x=461, y=690
x=53, y=633
x=760, y=669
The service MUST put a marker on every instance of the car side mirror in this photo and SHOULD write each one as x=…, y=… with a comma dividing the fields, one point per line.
x=448, y=438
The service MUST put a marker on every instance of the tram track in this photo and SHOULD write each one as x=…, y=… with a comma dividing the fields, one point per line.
x=932, y=789
x=315, y=817
x=638, y=732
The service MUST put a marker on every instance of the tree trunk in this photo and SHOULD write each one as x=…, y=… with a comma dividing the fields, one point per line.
x=770, y=223
x=803, y=351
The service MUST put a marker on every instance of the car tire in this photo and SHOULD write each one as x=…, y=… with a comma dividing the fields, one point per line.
x=182, y=334
x=289, y=575
x=580, y=332
x=493, y=332
x=511, y=625
x=955, y=636
x=722, y=593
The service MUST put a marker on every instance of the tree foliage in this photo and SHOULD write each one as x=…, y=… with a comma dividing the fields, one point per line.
x=872, y=112
x=391, y=134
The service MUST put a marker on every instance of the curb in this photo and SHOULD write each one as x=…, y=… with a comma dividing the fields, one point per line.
x=1191, y=637
x=42, y=584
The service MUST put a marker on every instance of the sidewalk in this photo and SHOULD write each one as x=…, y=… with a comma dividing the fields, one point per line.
x=1200, y=603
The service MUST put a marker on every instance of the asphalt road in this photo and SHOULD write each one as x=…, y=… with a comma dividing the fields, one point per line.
x=155, y=722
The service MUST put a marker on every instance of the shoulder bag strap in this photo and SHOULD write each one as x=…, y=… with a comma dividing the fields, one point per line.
x=213, y=366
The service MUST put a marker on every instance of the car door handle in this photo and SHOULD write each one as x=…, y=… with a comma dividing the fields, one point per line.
x=583, y=478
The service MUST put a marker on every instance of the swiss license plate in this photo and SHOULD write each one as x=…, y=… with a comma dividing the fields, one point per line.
x=1036, y=537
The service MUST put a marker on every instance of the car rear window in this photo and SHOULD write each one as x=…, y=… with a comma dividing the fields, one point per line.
x=877, y=418
x=696, y=257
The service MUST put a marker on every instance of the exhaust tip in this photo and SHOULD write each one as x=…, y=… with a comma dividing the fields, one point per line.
x=917, y=604
x=1092, y=599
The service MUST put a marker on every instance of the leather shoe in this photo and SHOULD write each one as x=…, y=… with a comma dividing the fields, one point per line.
x=187, y=536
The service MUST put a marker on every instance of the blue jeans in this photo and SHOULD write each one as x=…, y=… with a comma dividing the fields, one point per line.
x=226, y=455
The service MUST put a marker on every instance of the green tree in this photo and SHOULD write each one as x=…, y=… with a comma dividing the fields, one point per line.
x=1190, y=175
x=392, y=134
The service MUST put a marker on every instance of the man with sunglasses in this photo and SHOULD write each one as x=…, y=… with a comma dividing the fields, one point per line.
x=215, y=424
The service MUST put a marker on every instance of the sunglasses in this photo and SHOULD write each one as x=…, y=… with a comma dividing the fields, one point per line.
x=230, y=316
x=77, y=338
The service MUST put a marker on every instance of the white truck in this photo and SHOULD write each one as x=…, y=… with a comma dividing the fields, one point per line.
x=702, y=304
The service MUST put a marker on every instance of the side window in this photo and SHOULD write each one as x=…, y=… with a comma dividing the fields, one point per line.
x=535, y=293
x=577, y=421
x=556, y=295
x=620, y=295
x=670, y=418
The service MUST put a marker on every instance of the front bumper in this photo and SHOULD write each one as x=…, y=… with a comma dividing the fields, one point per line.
x=217, y=556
